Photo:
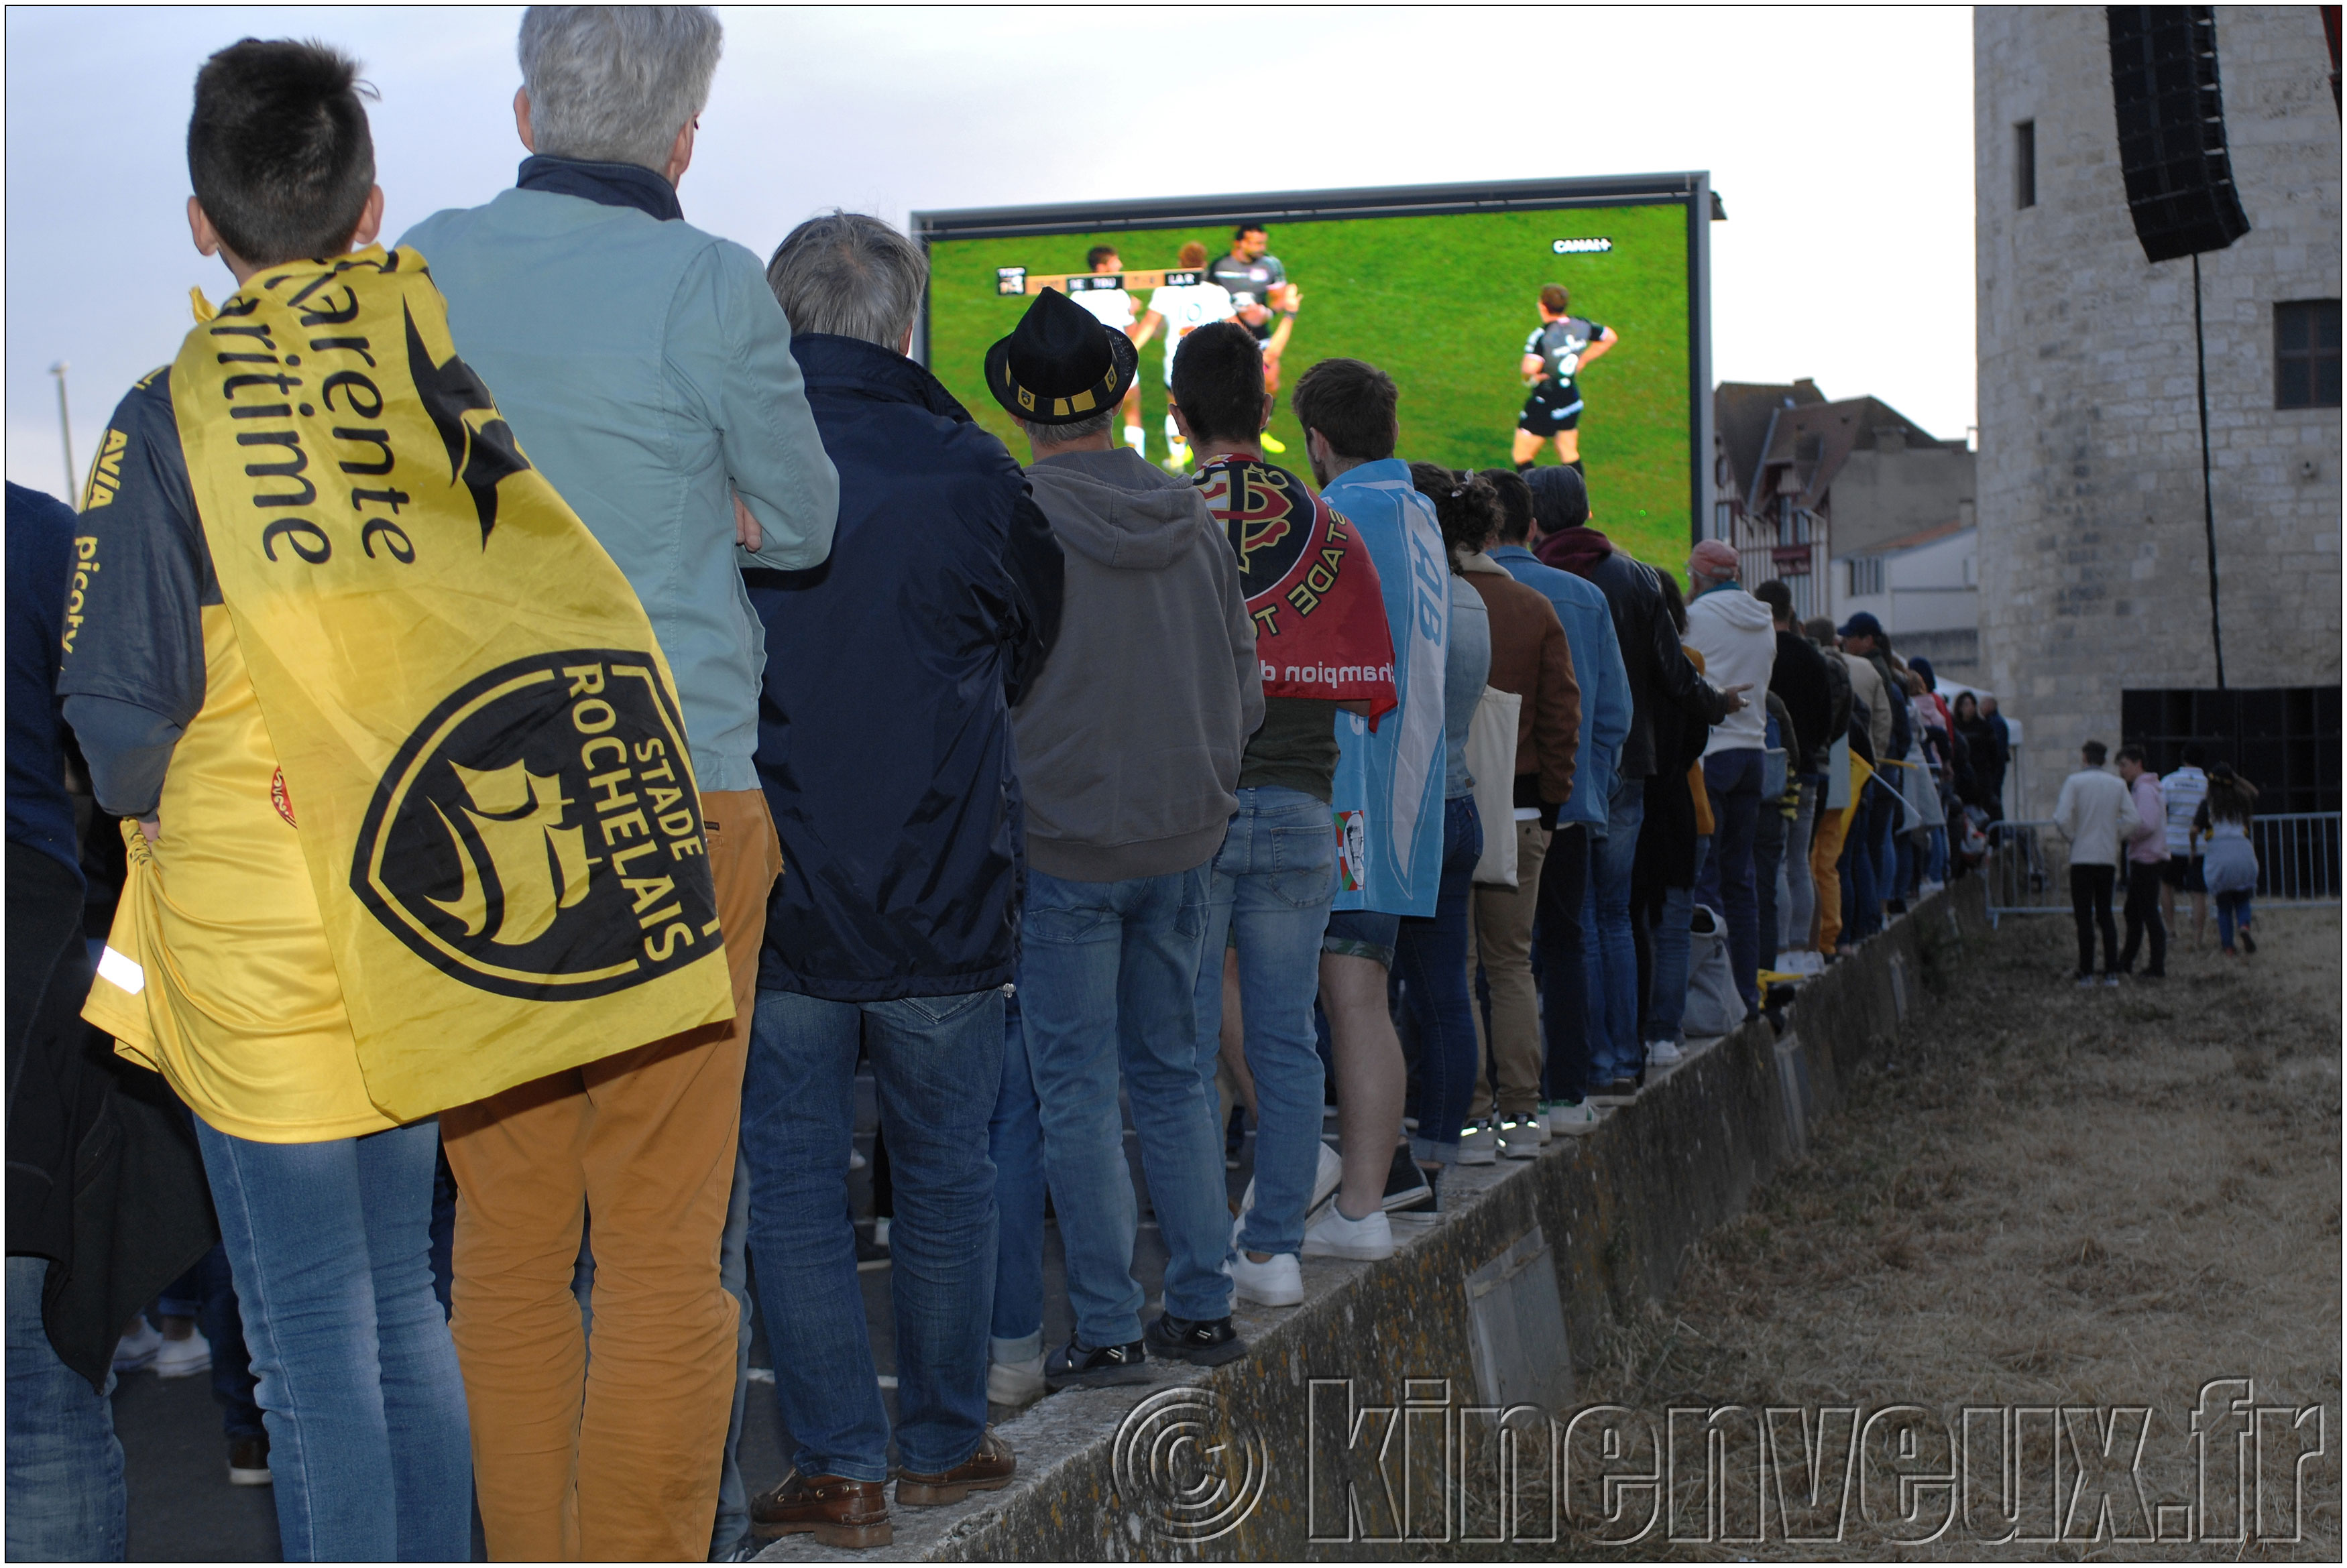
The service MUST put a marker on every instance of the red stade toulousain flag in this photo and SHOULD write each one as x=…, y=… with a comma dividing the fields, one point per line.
x=1319, y=615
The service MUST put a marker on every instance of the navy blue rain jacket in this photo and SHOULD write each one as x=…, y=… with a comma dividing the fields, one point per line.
x=884, y=723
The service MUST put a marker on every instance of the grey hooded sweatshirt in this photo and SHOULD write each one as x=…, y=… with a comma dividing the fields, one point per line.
x=1130, y=739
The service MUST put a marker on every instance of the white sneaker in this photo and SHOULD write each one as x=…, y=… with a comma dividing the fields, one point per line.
x=1569, y=1120
x=1015, y=1382
x=1663, y=1054
x=1278, y=1282
x=138, y=1348
x=1521, y=1140
x=1326, y=1179
x=1334, y=1235
x=184, y=1357
x=1928, y=889
x=1479, y=1144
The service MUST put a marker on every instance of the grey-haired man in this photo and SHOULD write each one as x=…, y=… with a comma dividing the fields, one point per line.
x=646, y=371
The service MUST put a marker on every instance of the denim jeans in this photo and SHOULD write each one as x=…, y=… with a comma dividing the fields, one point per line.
x=1862, y=894
x=1732, y=780
x=1431, y=960
x=1014, y=1138
x=1562, y=964
x=330, y=1246
x=1108, y=977
x=2232, y=908
x=935, y=1059
x=1666, y=991
x=65, y=1497
x=733, y=1273
x=223, y=1329
x=1271, y=888
x=1768, y=827
x=1890, y=810
x=1615, y=1049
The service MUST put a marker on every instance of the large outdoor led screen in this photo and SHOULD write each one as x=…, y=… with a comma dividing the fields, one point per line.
x=1441, y=287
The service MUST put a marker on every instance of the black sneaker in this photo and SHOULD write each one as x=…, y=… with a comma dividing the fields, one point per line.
x=1074, y=1366
x=1203, y=1342
x=1407, y=1189
x=2249, y=943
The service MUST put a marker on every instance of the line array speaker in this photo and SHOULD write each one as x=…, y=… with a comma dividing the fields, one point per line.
x=2171, y=125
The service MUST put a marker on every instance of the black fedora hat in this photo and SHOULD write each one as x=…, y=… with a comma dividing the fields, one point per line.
x=1059, y=364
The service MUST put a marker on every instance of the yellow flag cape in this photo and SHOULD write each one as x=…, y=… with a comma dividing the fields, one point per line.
x=476, y=728
x=1859, y=774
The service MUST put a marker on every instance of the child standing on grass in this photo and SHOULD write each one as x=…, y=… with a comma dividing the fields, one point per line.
x=2228, y=865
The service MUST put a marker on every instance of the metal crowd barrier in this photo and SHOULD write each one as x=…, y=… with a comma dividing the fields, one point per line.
x=2028, y=869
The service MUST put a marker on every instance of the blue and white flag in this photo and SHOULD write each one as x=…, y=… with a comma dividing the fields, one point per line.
x=1387, y=795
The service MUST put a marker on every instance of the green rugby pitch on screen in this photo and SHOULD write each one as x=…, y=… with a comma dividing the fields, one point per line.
x=1443, y=300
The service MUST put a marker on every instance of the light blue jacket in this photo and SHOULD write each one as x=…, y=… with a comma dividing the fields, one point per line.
x=646, y=371
x=1389, y=789
x=1597, y=664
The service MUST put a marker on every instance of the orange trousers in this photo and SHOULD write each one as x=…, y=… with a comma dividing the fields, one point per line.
x=1825, y=870
x=616, y=1457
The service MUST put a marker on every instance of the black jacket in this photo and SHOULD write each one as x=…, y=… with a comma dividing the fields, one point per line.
x=1661, y=678
x=884, y=723
x=1800, y=678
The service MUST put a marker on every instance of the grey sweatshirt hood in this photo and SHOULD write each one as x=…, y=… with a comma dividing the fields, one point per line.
x=1131, y=737
x=1119, y=509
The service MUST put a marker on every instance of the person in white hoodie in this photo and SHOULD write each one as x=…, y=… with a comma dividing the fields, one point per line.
x=1737, y=639
x=2098, y=816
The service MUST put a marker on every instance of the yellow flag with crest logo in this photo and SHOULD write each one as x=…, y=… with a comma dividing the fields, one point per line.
x=475, y=727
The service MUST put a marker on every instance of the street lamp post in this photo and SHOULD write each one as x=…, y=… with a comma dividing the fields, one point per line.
x=64, y=430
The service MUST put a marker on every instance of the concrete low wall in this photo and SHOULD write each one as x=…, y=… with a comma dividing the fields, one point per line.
x=1362, y=1424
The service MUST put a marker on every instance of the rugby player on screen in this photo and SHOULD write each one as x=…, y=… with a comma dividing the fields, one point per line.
x=1249, y=269
x=1272, y=329
x=1559, y=350
x=1112, y=307
x=1182, y=309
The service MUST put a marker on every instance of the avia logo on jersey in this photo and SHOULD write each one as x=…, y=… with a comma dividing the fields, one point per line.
x=105, y=478
x=539, y=835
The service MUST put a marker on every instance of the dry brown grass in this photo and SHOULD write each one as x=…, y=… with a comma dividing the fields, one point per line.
x=2046, y=1198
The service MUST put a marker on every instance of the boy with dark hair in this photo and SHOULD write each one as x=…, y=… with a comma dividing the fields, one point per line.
x=1276, y=873
x=328, y=790
x=280, y=153
x=1560, y=349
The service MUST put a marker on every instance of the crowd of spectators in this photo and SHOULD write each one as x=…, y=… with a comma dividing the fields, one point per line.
x=1020, y=788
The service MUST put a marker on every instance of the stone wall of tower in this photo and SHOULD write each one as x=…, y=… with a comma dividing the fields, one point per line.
x=2093, y=553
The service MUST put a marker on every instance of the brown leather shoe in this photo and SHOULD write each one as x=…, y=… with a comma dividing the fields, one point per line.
x=838, y=1512
x=989, y=1470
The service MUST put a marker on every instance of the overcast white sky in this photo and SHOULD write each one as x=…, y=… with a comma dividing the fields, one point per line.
x=1840, y=139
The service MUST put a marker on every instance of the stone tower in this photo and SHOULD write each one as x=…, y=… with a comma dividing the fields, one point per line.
x=2093, y=560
